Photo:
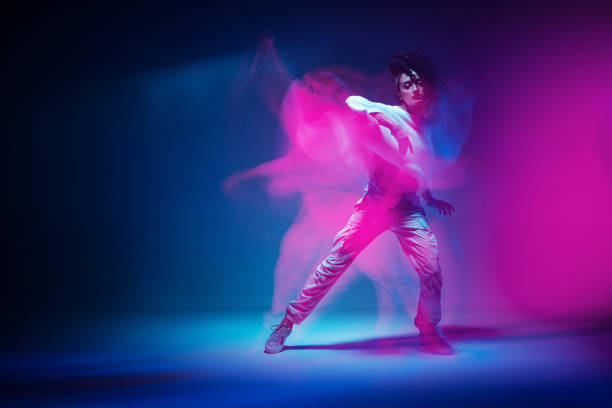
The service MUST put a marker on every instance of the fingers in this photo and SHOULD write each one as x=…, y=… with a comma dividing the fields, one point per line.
x=451, y=209
x=445, y=208
x=441, y=209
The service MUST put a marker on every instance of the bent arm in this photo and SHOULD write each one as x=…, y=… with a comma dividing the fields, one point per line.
x=376, y=142
x=443, y=207
x=426, y=195
x=373, y=139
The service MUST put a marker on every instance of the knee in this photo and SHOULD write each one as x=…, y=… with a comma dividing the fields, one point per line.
x=430, y=272
x=428, y=247
x=431, y=281
x=429, y=261
x=339, y=259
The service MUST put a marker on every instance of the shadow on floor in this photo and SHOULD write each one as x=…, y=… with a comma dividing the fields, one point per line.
x=409, y=344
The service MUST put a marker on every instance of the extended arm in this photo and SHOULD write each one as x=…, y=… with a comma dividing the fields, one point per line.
x=284, y=165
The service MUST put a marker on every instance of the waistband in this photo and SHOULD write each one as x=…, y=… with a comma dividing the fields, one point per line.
x=407, y=200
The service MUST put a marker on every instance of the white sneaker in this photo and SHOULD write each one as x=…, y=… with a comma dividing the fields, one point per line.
x=276, y=341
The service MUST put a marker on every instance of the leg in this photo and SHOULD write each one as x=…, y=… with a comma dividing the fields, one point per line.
x=421, y=248
x=361, y=229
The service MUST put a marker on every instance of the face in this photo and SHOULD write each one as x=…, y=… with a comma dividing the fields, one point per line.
x=413, y=91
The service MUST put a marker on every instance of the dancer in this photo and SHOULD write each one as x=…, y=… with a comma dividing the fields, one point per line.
x=324, y=173
x=395, y=150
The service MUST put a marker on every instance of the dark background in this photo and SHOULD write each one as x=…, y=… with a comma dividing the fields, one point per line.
x=121, y=128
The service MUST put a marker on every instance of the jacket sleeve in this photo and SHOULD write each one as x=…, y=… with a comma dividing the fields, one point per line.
x=361, y=104
x=375, y=139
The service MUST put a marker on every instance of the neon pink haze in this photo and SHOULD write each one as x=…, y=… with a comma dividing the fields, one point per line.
x=326, y=165
x=536, y=220
x=531, y=233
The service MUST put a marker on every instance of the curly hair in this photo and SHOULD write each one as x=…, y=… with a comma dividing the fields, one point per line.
x=405, y=61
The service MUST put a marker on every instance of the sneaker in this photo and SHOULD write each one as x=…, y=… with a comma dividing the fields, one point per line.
x=276, y=341
x=434, y=343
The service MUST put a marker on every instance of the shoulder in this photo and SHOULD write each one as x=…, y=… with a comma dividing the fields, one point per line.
x=400, y=111
x=357, y=102
x=360, y=103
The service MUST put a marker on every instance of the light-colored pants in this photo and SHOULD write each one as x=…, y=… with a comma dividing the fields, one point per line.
x=371, y=216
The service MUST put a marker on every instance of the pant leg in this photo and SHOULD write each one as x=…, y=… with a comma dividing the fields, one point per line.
x=363, y=226
x=421, y=247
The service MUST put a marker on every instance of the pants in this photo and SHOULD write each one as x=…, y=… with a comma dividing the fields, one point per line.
x=371, y=216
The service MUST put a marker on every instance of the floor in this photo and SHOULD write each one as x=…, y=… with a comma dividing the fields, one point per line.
x=217, y=360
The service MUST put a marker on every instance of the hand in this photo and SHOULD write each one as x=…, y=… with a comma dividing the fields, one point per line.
x=402, y=137
x=404, y=142
x=443, y=207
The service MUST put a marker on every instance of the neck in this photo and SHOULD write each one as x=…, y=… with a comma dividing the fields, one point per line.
x=417, y=115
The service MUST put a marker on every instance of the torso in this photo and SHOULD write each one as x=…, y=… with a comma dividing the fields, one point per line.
x=386, y=178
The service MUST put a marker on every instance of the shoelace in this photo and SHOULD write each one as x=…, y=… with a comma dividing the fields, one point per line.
x=276, y=334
